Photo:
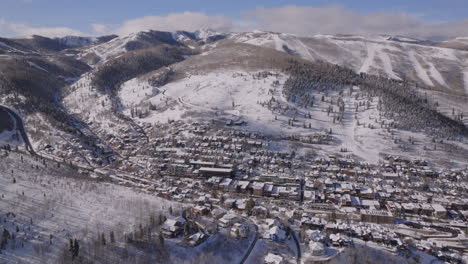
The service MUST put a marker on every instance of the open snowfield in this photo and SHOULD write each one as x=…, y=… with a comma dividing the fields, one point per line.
x=229, y=94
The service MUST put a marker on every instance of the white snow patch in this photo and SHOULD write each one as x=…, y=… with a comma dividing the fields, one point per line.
x=465, y=75
x=279, y=43
x=435, y=74
x=369, y=59
x=111, y=48
x=260, y=41
x=135, y=91
x=422, y=74
x=388, y=65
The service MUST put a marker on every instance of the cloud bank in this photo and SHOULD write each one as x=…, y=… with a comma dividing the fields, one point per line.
x=335, y=19
x=189, y=21
x=12, y=29
x=299, y=20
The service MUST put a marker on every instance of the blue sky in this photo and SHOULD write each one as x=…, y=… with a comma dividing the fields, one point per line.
x=18, y=15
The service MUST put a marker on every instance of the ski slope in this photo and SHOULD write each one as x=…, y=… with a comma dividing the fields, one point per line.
x=465, y=77
x=393, y=57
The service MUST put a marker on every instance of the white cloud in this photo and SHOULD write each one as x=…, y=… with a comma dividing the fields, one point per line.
x=101, y=29
x=299, y=20
x=8, y=28
x=189, y=21
x=336, y=19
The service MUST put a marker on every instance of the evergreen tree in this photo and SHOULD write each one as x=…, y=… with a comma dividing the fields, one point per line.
x=76, y=248
x=4, y=238
x=103, y=239
x=72, y=248
x=112, y=237
x=250, y=204
x=161, y=239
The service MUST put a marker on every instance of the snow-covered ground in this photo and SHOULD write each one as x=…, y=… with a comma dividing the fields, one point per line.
x=50, y=201
x=92, y=106
x=465, y=77
x=371, y=49
x=421, y=73
x=9, y=138
x=224, y=94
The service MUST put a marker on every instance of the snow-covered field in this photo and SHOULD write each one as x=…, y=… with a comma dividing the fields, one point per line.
x=224, y=94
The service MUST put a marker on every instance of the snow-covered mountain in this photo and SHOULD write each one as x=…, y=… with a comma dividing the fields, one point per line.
x=76, y=41
x=240, y=82
x=393, y=57
x=436, y=65
x=147, y=39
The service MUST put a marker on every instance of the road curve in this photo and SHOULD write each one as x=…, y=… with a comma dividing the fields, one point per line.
x=296, y=241
x=20, y=128
x=251, y=247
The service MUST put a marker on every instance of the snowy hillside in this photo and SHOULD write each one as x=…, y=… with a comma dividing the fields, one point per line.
x=248, y=90
x=232, y=95
x=143, y=40
x=114, y=47
x=394, y=58
x=243, y=96
x=76, y=41
x=50, y=205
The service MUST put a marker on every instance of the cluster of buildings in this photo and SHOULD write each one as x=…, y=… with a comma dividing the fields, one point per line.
x=214, y=167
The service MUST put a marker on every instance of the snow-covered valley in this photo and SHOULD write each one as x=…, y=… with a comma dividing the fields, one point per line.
x=206, y=147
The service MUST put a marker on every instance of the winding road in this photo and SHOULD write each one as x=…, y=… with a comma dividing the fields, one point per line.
x=20, y=128
x=252, y=245
x=296, y=241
